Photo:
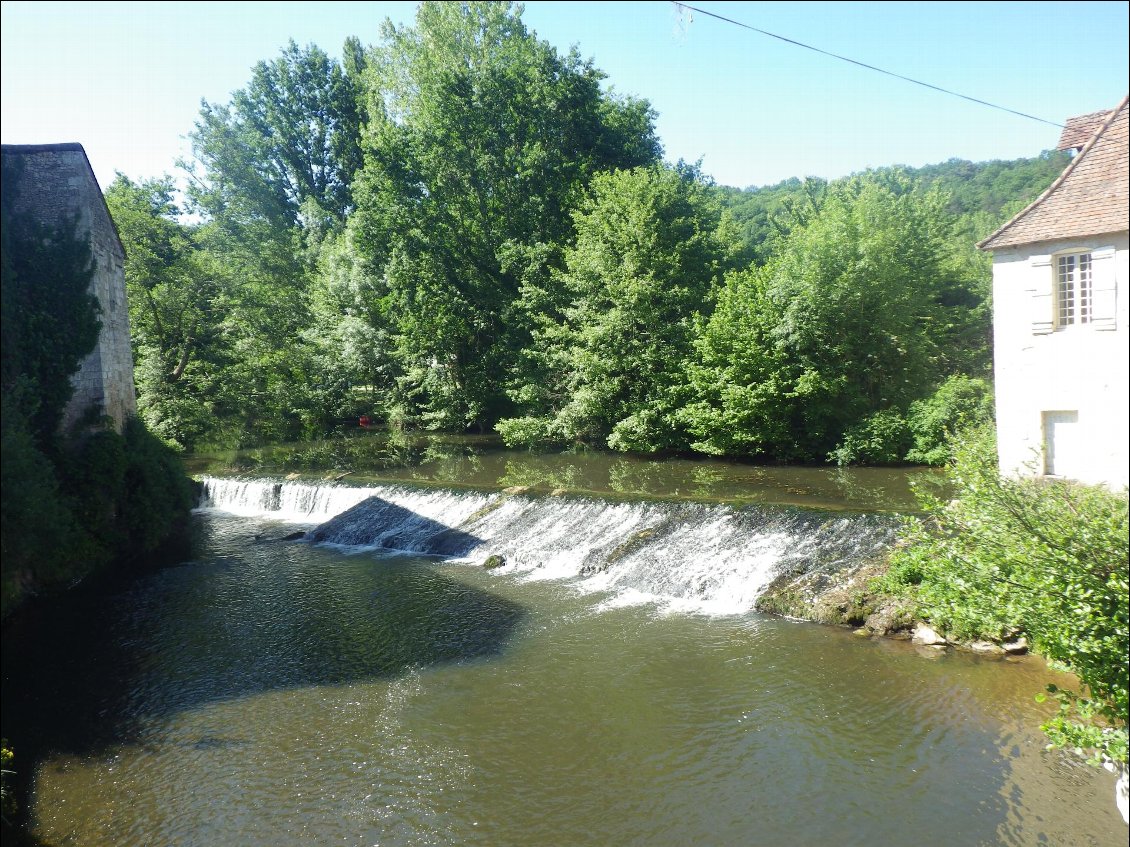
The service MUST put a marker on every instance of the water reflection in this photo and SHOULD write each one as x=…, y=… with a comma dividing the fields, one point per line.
x=479, y=461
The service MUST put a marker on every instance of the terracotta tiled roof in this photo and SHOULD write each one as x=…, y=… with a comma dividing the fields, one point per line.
x=1078, y=130
x=1090, y=197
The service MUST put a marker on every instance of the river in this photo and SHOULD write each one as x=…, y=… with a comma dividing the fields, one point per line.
x=607, y=684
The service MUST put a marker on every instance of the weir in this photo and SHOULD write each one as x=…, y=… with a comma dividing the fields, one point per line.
x=713, y=558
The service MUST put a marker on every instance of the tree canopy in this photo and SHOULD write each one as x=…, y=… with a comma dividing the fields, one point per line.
x=461, y=227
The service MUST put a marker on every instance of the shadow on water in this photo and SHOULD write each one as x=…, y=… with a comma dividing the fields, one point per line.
x=97, y=669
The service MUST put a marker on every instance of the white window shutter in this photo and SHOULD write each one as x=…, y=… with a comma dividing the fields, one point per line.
x=1104, y=289
x=1040, y=296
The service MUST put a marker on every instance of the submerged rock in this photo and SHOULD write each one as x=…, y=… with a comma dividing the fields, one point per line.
x=494, y=561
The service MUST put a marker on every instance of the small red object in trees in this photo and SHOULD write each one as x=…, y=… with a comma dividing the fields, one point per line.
x=364, y=421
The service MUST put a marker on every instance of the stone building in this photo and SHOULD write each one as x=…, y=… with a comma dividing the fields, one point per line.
x=56, y=185
x=1060, y=319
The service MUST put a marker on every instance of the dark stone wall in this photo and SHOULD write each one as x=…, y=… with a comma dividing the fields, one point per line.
x=56, y=185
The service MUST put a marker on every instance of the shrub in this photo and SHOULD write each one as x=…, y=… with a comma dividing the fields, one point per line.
x=1044, y=557
x=40, y=538
x=880, y=439
x=524, y=432
x=157, y=495
x=106, y=498
x=960, y=403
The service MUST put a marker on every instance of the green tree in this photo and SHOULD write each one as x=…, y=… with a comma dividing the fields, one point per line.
x=287, y=146
x=273, y=181
x=171, y=289
x=481, y=139
x=610, y=368
x=856, y=314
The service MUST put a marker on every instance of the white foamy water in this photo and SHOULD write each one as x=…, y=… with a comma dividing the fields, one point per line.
x=712, y=559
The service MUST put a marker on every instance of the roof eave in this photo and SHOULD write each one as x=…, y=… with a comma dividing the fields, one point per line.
x=988, y=243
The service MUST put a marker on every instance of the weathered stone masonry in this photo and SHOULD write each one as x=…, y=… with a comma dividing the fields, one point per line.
x=57, y=185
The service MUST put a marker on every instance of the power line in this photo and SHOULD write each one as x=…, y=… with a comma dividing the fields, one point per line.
x=864, y=64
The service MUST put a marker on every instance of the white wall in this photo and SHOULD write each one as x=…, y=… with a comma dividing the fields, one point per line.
x=1078, y=368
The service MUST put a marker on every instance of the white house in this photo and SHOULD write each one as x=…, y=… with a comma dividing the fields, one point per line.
x=1060, y=318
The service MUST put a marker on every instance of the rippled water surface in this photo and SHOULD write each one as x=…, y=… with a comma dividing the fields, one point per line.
x=280, y=693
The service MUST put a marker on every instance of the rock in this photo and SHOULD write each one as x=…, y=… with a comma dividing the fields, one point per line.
x=888, y=619
x=986, y=648
x=557, y=492
x=494, y=561
x=926, y=635
x=862, y=632
x=294, y=536
x=292, y=476
x=516, y=489
x=1016, y=648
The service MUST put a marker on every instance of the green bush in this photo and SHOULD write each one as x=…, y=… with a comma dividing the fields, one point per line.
x=40, y=538
x=524, y=432
x=105, y=498
x=158, y=494
x=961, y=402
x=881, y=439
x=1044, y=557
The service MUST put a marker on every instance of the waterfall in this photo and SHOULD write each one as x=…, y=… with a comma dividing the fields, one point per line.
x=708, y=557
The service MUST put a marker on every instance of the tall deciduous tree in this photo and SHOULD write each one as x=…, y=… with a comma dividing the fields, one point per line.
x=272, y=181
x=856, y=315
x=286, y=148
x=647, y=254
x=481, y=139
x=173, y=289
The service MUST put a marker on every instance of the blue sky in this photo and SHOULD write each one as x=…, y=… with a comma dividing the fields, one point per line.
x=126, y=79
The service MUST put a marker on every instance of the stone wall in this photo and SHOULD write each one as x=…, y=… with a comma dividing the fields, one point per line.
x=56, y=185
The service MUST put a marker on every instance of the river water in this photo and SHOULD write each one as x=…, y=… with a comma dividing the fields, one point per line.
x=609, y=684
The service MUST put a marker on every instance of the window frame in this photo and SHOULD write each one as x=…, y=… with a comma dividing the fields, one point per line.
x=1079, y=311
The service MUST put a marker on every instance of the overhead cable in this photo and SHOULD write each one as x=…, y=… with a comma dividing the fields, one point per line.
x=863, y=64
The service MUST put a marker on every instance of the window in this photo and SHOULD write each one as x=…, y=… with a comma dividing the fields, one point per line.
x=1077, y=286
x=1073, y=289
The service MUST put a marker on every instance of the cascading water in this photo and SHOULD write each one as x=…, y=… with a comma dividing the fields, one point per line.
x=707, y=557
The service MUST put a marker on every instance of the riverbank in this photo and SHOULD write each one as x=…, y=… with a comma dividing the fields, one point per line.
x=852, y=597
x=842, y=597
